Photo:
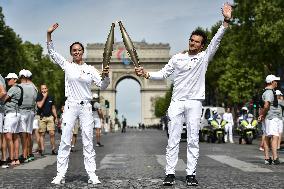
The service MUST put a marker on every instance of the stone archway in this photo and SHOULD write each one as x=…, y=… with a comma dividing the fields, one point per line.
x=152, y=57
x=126, y=100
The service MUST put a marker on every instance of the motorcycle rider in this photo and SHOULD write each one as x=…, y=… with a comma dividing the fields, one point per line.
x=228, y=117
x=245, y=115
x=216, y=124
x=215, y=115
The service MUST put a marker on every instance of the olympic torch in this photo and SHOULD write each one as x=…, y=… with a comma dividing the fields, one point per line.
x=129, y=45
x=108, y=48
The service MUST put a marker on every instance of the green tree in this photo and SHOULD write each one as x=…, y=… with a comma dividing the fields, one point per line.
x=250, y=49
x=16, y=55
x=162, y=103
x=10, y=54
x=45, y=72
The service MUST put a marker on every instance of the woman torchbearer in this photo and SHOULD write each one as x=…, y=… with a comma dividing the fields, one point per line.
x=78, y=81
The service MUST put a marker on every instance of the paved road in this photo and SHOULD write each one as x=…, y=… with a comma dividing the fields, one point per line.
x=136, y=159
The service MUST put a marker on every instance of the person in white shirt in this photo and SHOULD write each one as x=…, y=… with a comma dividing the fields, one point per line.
x=188, y=70
x=78, y=82
x=228, y=117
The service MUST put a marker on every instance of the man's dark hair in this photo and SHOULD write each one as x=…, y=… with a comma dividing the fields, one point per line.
x=200, y=33
x=76, y=43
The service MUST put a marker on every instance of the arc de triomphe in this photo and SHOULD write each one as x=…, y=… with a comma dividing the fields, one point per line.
x=151, y=56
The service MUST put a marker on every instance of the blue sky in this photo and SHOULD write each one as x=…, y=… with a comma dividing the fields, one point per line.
x=88, y=21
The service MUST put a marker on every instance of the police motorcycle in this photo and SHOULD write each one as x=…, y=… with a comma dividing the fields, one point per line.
x=247, y=127
x=217, y=132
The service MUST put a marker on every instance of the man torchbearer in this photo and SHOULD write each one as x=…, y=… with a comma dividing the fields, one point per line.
x=188, y=70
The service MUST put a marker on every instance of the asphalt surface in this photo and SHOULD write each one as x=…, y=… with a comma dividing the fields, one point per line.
x=136, y=159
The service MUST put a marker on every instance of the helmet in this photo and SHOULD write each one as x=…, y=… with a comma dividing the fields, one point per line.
x=214, y=110
x=245, y=108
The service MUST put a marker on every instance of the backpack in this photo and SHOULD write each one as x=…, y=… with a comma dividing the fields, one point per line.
x=20, y=102
x=261, y=102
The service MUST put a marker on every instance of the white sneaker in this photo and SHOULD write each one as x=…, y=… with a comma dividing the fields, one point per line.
x=5, y=166
x=94, y=179
x=58, y=180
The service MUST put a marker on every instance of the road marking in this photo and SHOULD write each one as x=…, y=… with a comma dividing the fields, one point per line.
x=181, y=166
x=242, y=165
x=38, y=163
x=114, y=161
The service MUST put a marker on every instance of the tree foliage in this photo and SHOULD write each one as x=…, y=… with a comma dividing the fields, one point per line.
x=16, y=55
x=252, y=48
x=162, y=103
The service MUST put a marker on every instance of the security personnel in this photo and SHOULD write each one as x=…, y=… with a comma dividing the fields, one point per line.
x=188, y=70
x=78, y=83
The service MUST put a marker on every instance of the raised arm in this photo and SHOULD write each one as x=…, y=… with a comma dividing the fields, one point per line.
x=50, y=30
x=227, y=13
x=56, y=57
x=215, y=42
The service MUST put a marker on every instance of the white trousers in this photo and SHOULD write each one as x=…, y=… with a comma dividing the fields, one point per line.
x=72, y=111
x=188, y=111
x=229, y=131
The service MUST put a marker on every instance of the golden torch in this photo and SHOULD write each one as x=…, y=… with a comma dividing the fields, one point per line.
x=129, y=45
x=108, y=48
